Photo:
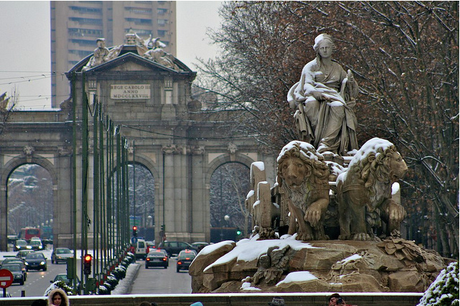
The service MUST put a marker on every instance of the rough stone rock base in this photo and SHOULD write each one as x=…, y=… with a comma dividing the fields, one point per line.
x=394, y=265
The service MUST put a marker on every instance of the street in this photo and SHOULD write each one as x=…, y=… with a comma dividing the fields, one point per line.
x=148, y=281
x=160, y=280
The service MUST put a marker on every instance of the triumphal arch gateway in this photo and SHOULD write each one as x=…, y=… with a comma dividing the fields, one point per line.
x=146, y=92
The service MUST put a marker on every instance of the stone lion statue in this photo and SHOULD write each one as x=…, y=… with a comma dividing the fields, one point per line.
x=303, y=180
x=365, y=189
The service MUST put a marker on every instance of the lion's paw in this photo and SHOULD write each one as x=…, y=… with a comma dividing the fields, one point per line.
x=362, y=237
x=304, y=236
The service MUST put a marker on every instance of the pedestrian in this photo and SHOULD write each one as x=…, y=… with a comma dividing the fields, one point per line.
x=277, y=301
x=333, y=299
x=58, y=297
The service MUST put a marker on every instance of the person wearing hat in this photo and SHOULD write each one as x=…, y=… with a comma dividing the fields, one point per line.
x=277, y=301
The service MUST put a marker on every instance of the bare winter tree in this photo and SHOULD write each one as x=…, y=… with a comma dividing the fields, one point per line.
x=405, y=58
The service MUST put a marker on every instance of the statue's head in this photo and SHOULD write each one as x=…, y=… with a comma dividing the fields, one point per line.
x=323, y=40
x=298, y=163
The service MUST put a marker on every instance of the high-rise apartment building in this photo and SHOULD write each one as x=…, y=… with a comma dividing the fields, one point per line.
x=75, y=26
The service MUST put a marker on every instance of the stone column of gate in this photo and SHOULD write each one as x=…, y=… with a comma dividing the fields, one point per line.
x=168, y=196
x=199, y=209
x=180, y=192
x=63, y=218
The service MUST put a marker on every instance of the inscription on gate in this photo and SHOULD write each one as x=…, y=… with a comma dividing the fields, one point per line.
x=130, y=91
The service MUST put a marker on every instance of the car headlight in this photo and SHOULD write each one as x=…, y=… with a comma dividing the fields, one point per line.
x=28, y=247
x=42, y=263
x=26, y=263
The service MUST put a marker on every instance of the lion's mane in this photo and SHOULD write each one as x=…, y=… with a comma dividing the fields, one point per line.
x=319, y=170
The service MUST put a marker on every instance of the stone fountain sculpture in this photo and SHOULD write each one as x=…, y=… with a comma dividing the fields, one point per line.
x=322, y=180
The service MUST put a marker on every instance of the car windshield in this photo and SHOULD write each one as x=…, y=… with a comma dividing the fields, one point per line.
x=34, y=256
x=12, y=267
x=63, y=251
x=35, y=242
x=21, y=242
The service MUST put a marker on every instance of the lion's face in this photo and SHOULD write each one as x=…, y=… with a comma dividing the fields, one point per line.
x=294, y=172
x=397, y=165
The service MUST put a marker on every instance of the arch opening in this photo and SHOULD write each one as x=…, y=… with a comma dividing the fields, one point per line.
x=229, y=186
x=30, y=202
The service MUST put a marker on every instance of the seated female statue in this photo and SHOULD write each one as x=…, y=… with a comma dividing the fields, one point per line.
x=324, y=98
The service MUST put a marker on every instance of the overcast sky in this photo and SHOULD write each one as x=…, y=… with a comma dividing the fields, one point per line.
x=25, y=50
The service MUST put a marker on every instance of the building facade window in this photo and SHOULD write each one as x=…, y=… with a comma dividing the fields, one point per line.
x=86, y=10
x=84, y=32
x=162, y=22
x=86, y=20
x=138, y=10
x=162, y=33
x=139, y=21
x=162, y=11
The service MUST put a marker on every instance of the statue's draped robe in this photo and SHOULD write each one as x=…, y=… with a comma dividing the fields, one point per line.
x=330, y=125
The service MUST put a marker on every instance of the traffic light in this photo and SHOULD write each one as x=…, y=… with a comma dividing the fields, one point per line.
x=134, y=231
x=163, y=227
x=238, y=232
x=87, y=259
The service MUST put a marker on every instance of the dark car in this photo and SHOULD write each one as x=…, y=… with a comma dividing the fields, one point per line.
x=21, y=244
x=18, y=274
x=14, y=260
x=22, y=254
x=184, y=259
x=157, y=257
x=36, y=261
x=174, y=247
x=199, y=245
x=61, y=255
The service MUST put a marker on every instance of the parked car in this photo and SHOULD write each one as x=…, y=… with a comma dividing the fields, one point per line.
x=14, y=260
x=61, y=255
x=157, y=257
x=36, y=244
x=184, y=259
x=22, y=254
x=15, y=269
x=63, y=277
x=174, y=247
x=21, y=244
x=199, y=245
x=36, y=261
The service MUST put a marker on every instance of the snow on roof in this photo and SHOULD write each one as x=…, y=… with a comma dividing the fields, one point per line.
x=250, y=249
x=305, y=146
x=298, y=276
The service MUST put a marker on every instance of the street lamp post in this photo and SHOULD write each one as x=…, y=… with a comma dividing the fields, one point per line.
x=226, y=218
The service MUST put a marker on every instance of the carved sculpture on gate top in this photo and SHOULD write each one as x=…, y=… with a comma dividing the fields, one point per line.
x=324, y=98
x=367, y=187
x=303, y=180
x=151, y=49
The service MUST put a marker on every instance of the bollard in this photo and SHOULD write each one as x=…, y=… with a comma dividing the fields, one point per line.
x=23, y=293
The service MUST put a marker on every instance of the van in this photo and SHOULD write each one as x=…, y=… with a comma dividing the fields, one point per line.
x=141, y=249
